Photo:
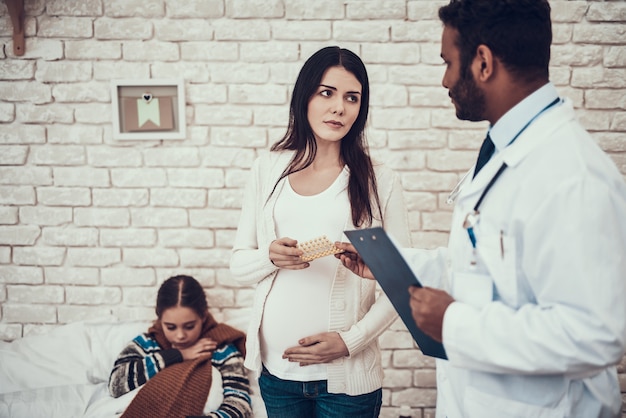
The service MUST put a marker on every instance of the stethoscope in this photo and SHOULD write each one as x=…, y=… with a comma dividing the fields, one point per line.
x=457, y=189
x=472, y=218
x=454, y=193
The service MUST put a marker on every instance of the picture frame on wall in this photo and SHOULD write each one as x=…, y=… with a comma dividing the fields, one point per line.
x=150, y=109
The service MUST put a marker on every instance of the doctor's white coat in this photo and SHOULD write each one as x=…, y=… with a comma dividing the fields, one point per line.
x=539, y=322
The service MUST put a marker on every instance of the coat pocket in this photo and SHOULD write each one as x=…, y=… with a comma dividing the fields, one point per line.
x=479, y=404
x=498, y=253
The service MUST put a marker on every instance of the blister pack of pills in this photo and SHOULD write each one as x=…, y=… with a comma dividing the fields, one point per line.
x=317, y=247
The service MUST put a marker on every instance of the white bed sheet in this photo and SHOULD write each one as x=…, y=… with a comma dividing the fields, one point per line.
x=64, y=373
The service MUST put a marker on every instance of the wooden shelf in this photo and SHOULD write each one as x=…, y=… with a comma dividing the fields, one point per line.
x=16, y=11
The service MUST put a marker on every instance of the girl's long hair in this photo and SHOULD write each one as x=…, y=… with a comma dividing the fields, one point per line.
x=353, y=151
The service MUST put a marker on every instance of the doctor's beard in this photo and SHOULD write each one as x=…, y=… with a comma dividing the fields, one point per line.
x=468, y=98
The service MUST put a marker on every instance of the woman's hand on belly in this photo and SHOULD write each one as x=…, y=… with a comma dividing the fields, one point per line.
x=317, y=349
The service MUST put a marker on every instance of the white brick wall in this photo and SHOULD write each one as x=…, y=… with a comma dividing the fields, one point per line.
x=90, y=226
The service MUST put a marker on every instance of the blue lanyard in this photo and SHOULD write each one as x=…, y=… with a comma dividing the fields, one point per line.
x=472, y=218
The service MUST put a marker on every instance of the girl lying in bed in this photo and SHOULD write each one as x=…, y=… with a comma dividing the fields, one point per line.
x=172, y=361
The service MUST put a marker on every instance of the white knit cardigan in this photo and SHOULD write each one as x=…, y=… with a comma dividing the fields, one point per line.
x=355, y=311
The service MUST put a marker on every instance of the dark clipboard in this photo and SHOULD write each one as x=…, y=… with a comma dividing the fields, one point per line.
x=395, y=276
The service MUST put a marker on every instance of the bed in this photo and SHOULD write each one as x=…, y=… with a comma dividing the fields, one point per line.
x=64, y=373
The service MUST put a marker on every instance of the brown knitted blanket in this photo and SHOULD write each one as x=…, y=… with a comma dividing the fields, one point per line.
x=182, y=389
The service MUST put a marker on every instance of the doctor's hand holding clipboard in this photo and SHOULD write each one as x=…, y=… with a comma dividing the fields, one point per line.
x=351, y=260
x=420, y=308
x=428, y=305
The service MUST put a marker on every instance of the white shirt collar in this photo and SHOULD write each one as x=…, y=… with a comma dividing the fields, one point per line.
x=515, y=120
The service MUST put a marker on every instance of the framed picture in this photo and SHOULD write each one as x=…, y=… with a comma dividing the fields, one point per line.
x=148, y=109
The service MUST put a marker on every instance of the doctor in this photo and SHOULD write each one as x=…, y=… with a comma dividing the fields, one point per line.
x=529, y=296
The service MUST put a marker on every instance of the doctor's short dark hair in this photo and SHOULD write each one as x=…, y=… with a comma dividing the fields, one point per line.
x=518, y=32
x=184, y=291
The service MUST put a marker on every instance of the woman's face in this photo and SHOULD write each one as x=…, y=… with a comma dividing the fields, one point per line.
x=335, y=105
x=182, y=326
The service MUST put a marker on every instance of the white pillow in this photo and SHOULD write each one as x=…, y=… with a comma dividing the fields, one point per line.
x=60, y=357
x=106, y=340
x=51, y=402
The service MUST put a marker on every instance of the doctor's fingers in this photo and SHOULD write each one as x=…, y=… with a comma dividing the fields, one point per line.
x=355, y=264
x=423, y=313
x=420, y=300
x=347, y=247
x=425, y=293
x=429, y=301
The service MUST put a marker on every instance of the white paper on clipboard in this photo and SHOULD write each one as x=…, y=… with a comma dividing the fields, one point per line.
x=395, y=276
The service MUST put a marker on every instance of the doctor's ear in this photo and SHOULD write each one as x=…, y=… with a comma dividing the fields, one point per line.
x=486, y=59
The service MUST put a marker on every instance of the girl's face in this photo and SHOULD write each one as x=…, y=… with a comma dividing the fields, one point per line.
x=182, y=326
x=335, y=105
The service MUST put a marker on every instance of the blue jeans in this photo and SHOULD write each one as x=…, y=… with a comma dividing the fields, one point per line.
x=293, y=399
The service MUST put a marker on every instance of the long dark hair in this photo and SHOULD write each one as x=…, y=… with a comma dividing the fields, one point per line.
x=182, y=291
x=353, y=151
x=518, y=32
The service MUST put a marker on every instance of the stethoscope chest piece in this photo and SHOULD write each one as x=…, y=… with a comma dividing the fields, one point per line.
x=471, y=219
